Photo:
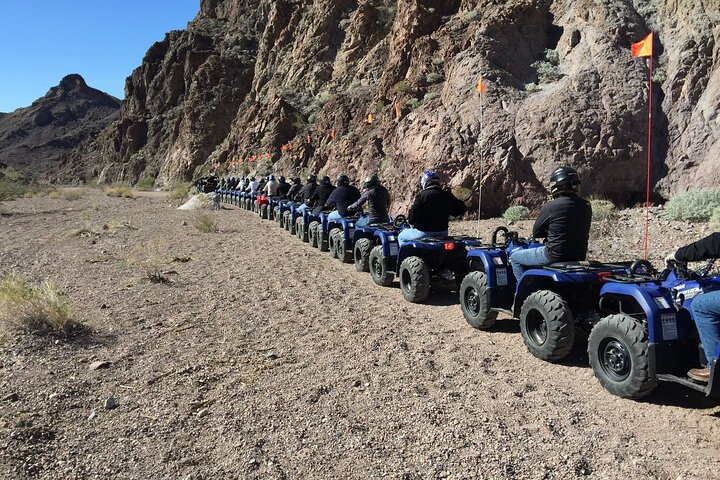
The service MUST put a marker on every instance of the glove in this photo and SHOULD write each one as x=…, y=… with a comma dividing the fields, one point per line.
x=671, y=261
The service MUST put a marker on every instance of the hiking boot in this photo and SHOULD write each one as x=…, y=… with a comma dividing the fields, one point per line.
x=699, y=374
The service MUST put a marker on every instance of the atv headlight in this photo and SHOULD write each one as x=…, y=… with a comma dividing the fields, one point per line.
x=497, y=261
x=391, y=238
x=351, y=225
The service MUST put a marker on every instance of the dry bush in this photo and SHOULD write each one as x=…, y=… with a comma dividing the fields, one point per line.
x=148, y=259
x=26, y=307
x=695, y=204
x=180, y=190
x=602, y=209
x=205, y=222
x=122, y=191
x=516, y=213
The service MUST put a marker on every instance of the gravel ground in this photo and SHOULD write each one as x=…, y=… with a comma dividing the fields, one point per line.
x=264, y=358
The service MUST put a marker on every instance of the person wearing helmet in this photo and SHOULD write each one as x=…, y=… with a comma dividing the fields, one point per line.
x=272, y=186
x=563, y=222
x=252, y=186
x=294, y=188
x=283, y=187
x=377, y=198
x=705, y=306
x=306, y=192
x=341, y=198
x=430, y=213
x=321, y=194
x=261, y=185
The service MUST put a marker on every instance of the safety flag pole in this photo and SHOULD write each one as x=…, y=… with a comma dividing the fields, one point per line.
x=481, y=90
x=644, y=48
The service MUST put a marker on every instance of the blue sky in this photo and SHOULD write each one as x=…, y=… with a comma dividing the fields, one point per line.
x=41, y=41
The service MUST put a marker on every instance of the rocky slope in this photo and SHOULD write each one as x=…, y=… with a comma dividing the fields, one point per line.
x=246, y=78
x=32, y=139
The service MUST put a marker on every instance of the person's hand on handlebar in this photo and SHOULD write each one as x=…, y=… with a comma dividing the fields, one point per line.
x=671, y=261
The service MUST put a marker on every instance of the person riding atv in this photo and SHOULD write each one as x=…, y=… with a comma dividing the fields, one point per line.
x=341, y=198
x=321, y=194
x=563, y=222
x=430, y=213
x=306, y=192
x=283, y=187
x=271, y=187
x=378, y=202
x=294, y=188
x=705, y=306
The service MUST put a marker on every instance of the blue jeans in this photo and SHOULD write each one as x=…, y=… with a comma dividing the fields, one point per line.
x=706, y=310
x=301, y=208
x=525, y=259
x=362, y=221
x=411, y=234
x=334, y=215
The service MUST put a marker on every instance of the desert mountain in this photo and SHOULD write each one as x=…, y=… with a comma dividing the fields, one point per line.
x=33, y=138
x=247, y=78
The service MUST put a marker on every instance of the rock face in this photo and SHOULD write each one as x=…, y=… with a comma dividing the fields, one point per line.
x=32, y=139
x=247, y=78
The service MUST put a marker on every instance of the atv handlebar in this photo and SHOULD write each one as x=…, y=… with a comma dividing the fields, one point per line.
x=504, y=230
x=399, y=221
x=648, y=269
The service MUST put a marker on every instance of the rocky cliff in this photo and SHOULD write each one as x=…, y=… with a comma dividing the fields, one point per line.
x=32, y=139
x=248, y=78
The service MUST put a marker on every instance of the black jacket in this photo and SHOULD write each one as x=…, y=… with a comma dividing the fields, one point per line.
x=432, y=209
x=378, y=201
x=321, y=194
x=294, y=190
x=306, y=192
x=283, y=189
x=342, y=197
x=564, y=223
x=703, y=249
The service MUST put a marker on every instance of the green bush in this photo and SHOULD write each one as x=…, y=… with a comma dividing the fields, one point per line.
x=402, y=87
x=146, y=183
x=471, y=15
x=26, y=307
x=434, y=77
x=516, y=213
x=547, y=69
x=205, y=222
x=414, y=103
x=121, y=191
x=715, y=219
x=695, y=204
x=180, y=190
x=430, y=96
x=11, y=189
x=601, y=209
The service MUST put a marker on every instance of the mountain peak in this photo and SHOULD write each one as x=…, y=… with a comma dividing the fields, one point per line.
x=73, y=81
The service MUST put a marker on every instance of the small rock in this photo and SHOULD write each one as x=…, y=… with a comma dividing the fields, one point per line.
x=13, y=397
x=103, y=306
x=91, y=416
x=111, y=403
x=183, y=223
x=203, y=413
x=99, y=364
x=357, y=383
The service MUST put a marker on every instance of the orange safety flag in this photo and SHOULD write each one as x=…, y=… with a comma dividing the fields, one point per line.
x=332, y=134
x=251, y=159
x=369, y=118
x=397, y=110
x=289, y=146
x=283, y=148
x=267, y=155
x=309, y=140
x=480, y=86
x=643, y=48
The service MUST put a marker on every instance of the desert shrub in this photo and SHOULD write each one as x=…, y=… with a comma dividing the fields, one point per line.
x=437, y=61
x=715, y=219
x=146, y=183
x=26, y=307
x=71, y=195
x=532, y=87
x=659, y=75
x=205, y=222
x=434, y=77
x=695, y=204
x=516, y=213
x=430, y=96
x=148, y=259
x=121, y=191
x=547, y=69
x=414, y=103
x=10, y=189
x=602, y=209
x=322, y=99
x=471, y=15
x=402, y=87
x=180, y=190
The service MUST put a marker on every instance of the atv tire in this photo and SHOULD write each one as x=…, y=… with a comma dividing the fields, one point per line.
x=474, y=301
x=313, y=233
x=361, y=254
x=333, y=240
x=547, y=325
x=264, y=212
x=414, y=279
x=344, y=255
x=618, y=351
x=300, y=229
x=276, y=216
x=380, y=275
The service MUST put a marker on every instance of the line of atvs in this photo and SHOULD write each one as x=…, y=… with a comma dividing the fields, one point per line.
x=637, y=321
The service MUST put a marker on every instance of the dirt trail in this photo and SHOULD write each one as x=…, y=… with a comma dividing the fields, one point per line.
x=265, y=358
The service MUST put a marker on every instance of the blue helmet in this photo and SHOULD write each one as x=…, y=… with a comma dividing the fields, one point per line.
x=428, y=179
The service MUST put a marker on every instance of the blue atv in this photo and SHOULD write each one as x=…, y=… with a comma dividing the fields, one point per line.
x=281, y=206
x=318, y=230
x=489, y=287
x=302, y=224
x=376, y=237
x=341, y=240
x=648, y=333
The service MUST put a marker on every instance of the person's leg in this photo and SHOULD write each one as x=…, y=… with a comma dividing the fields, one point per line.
x=706, y=310
x=301, y=208
x=334, y=215
x=362, y=221
x=525, y=259
x=410, y=234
